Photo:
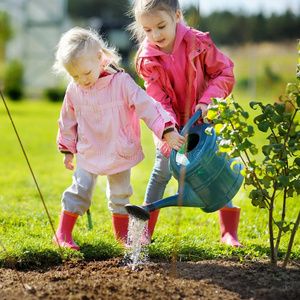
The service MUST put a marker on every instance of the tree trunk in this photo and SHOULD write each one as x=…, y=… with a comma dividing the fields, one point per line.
x=288, y=253
x=272, y=248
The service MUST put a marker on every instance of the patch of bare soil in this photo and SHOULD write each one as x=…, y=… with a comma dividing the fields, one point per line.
x=113, y=279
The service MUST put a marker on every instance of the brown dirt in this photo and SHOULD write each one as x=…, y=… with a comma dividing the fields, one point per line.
x=113, y=279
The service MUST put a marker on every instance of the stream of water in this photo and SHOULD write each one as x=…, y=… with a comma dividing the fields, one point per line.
x=136, y=251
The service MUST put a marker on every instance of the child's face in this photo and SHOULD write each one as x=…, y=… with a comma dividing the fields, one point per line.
x=160, y=29
x=85, y=71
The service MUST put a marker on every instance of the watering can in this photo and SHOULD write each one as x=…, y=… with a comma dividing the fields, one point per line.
x=206, y=178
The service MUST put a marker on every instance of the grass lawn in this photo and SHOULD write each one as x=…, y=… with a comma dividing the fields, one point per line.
x=25, y=230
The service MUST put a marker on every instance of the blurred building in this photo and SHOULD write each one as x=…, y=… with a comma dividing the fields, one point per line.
x=114, y=31
x=37, y=26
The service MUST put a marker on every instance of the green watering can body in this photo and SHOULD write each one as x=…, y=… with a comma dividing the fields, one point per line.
x=206, y=178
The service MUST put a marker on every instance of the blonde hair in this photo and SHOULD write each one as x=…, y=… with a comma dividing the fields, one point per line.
x=79, y=42
x=141, y=7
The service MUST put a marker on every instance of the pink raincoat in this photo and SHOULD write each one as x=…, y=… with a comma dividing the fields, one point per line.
x=199, y=70
x=101, y=124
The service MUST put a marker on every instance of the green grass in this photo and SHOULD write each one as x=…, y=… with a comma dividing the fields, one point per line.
x=25, y=230
x=262, y=71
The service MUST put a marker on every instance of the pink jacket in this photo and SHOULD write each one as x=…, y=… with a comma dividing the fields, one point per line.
x=101, y=124
x=207, y=74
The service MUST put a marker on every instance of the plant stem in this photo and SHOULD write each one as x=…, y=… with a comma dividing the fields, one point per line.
x=282, y=220
x=288, y=253
x=273, y=256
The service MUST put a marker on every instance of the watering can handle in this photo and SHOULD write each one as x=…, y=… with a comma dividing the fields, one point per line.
x=191, y=122
x=172, y=161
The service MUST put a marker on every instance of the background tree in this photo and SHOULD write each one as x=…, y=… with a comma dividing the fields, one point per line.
x=104, y=9
x=5, y=35
x=227, y=28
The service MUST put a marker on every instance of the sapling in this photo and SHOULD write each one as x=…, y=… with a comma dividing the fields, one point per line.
x=271, y=173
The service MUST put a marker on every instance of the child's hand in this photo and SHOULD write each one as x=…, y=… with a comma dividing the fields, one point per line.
x=204, y=109
x=174, y=140
x=68, y=161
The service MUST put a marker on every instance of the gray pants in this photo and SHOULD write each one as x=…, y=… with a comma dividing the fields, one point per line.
x=78, y=197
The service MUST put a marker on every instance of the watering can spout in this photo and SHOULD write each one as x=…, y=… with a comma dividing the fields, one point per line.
x=185, y=197
x=139, y=212
x=143, y=212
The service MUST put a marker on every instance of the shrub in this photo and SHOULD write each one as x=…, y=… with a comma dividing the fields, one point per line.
x=55, y=94
x=277, y=178
x=13, y=80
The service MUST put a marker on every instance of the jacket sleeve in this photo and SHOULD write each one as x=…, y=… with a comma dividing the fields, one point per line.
x=154, y=88
x=67, y=132
x=146, y=108
x=219, y=73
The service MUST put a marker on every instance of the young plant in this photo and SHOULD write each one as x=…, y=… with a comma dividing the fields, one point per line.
x=275, y=179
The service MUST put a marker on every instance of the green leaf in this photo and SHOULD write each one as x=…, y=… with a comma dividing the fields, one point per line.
x=255, y=202
x=234, y=133
x=234, y=153
x=266, y=149
x=290, y=192
x=227, y=114
x=281, y=132
x=298, y=99
x=263, y=126
x=214, y=101
x=260, y=118
x=247, y=144
x=286, y=228
x=296, y=184
x=254, y=103
x=291, y=143
x=237, y=106
x=245, y=114
x=266, y=181
x=270, y=171
x=223, y=102
x=279, y=224
x=212, y=114
x=297, y=161
x=279, y=108
x=250, y=130
x=277, y=147
x=219, y=128
x=277, y=119
x=284, y=180
x=253, y=149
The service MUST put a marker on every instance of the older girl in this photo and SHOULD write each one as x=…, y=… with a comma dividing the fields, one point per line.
x=183, y=70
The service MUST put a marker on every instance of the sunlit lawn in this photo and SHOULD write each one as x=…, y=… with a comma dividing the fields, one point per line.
x=25, y=230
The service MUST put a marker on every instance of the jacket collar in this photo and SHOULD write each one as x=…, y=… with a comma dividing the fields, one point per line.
x=102, y=82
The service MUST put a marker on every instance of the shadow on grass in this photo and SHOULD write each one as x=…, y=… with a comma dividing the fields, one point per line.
x=43, y=258
x=35, y=258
